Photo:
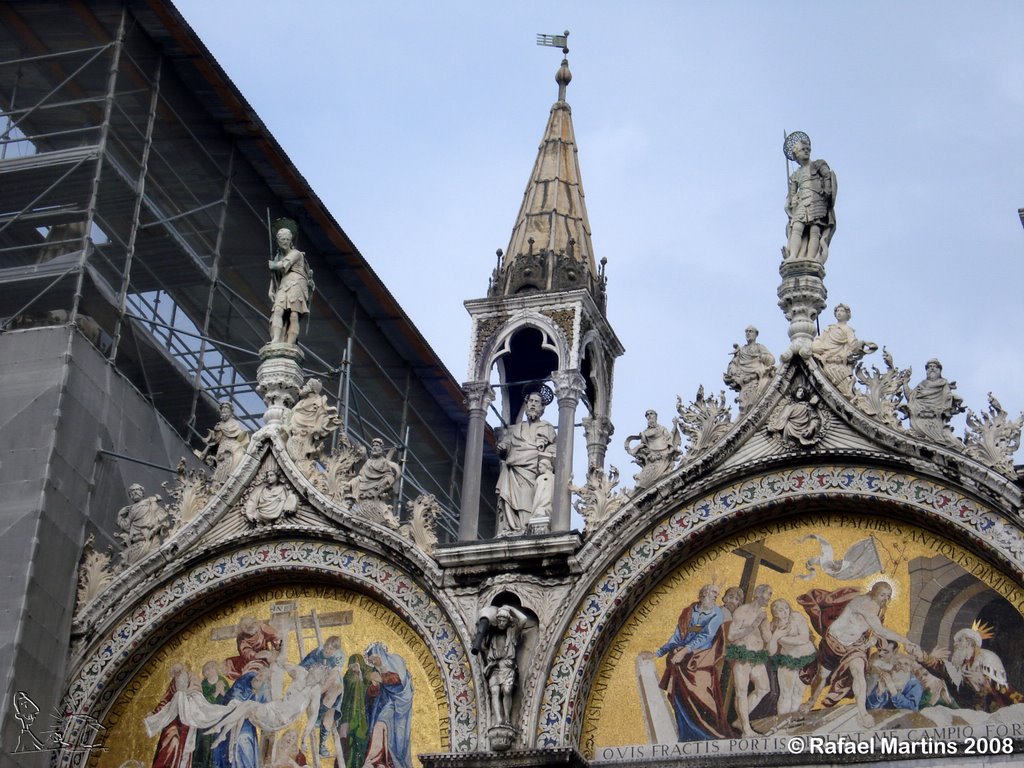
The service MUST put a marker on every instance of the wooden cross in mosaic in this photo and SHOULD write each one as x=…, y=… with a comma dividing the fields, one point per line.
x=757, y=554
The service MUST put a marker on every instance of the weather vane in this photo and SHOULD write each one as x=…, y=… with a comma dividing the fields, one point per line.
x=556, y=41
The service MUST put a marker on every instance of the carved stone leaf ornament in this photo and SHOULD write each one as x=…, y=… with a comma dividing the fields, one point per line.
x=992, y=438
x=339, y=468
x=188, y=493
x=598, y=500
x=420, y=528
x=703, y=421
x=883, y=391
x=94, y=574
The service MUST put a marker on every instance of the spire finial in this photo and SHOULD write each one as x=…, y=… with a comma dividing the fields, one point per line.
x=563, y=77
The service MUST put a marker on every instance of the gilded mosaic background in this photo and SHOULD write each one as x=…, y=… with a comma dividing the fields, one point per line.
x=819, y=624
x=283, y=677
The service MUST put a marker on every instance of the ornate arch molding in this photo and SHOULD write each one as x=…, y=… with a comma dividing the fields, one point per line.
x=600, y=606
x=497, y=345
x=122, y=647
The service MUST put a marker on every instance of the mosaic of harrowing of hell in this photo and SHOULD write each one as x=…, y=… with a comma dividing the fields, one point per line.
x=284, y=677
x=815, y=625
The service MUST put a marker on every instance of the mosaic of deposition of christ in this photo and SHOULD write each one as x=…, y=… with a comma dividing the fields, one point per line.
x=285, y=677
x=821, y=624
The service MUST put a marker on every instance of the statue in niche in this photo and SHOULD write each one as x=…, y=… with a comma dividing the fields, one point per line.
x=291, y=285
x=655, y=451
x=143, y=524
x=520, y=448
x=308, y=423
x=810, y=203
x=750, y=369
x=498, y=634
x=270, y=501
x=838, y=349
x=224, y=445
x=798, y=422
x=931, y=404
x=377, y=477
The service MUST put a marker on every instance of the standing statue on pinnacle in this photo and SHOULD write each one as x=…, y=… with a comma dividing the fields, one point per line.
x=810, y=203
x=291, y=285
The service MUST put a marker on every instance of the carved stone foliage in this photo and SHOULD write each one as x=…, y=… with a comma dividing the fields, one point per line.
x=310, y=421
x=339, y=468
x=187, y=494
x=798, y=422
x=94, y=574
x=598, y=500
x=930, y=406
x=420, y=528
x=751, y=368
x=655, y=450
x=703, y=421
x=882, y=391
x=838, y=349
x=992, y=438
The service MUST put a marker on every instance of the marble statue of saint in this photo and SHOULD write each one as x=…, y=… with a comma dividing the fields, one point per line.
x=270, y=501
x=143, y=524
x=376, y=478
x=838, y=350
x=290, y=287
x=655, y=450
x=224, y=445
x=520, y=450
x=931, y=404
x=499, y=631
x=810, y=203
x=309, y=421
x=751, y=367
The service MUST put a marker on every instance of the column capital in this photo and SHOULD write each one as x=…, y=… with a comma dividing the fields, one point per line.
x=478, y=394
x=569, y=385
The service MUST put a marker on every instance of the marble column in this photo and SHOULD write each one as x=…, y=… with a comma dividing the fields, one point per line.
x=598, y=430
x=479, y=396
x=802, y=296
x=569, y=385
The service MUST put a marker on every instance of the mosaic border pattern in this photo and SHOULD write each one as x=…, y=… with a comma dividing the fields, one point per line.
x=132, y=639
x=560, y=716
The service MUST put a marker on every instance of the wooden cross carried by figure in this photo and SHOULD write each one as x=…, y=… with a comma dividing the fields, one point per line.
x=284, y=617
x=757, y=554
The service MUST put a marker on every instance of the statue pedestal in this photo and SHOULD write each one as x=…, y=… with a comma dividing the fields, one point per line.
x=539, y=525
x=802, y=296
x=279, y=379
x=501, y=737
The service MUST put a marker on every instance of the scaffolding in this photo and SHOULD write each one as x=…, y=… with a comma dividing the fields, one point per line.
x=135, y=186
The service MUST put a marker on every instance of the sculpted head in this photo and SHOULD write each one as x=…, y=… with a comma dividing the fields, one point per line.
x=933, y=369
x=227, y=410
x=842, y=313
x=284, y=239
x=750, y=333
x=136, y=492
x=802, y=151
x=376, y=447
x=503, y=618
x=534, y=406
x=652, y=417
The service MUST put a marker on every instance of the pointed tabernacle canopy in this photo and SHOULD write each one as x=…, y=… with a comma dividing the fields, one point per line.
x=553, y=214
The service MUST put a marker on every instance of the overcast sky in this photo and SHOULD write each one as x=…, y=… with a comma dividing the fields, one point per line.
x=418, y=123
